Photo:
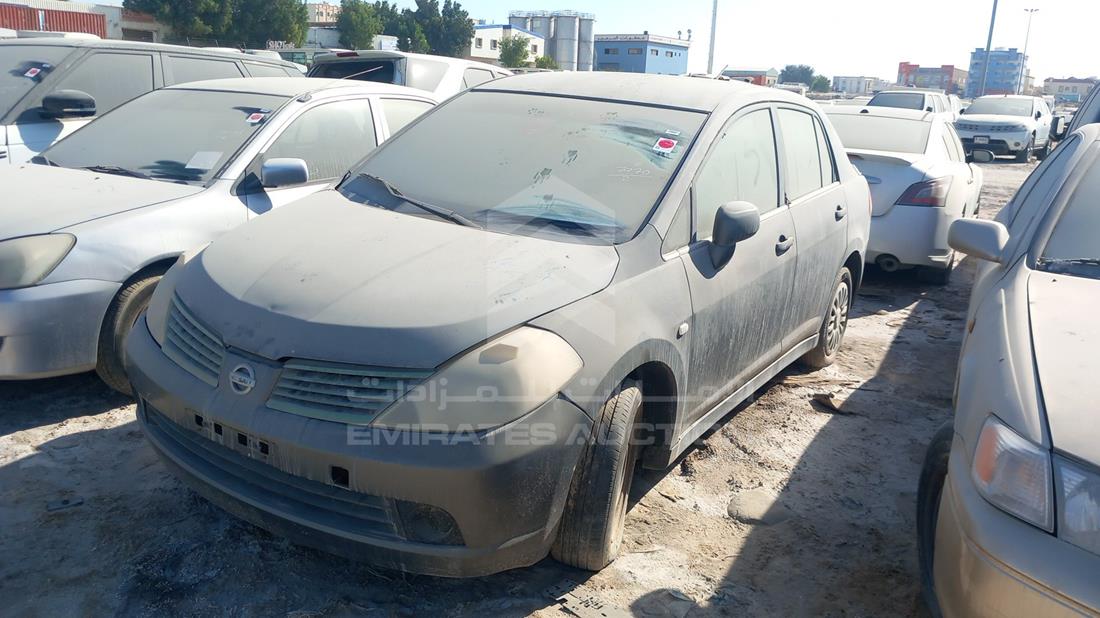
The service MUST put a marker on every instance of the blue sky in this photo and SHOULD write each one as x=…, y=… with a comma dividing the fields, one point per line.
x=846, y=37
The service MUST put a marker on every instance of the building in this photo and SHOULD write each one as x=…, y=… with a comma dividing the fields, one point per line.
x=946, y=77
x=1069, y=89
x=642, y=53
x=485, y=46
x=760, y=77
x=568, y=36
x=104, y=21
x=322, y=12
x=1007, y=72
x=858, y=85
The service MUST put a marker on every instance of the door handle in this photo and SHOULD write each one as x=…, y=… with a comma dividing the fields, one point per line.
x=841, y=212
x=784, y=245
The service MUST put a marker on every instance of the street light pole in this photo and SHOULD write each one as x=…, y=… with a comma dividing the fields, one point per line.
x=713, y=34
x=1023, y=69
x=988, y=47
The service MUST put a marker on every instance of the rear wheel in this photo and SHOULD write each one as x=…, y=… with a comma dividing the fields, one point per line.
x=834, y=324
x=591, y=528
x=936, y=275
x=124, y=311
x=929, y=495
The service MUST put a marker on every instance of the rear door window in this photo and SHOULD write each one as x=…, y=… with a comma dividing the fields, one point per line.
x=801, y=154
x=400, y=112
x=111, y=78
x=255, y=69
x=185, y=69
x=474, y=77
x=828, y=165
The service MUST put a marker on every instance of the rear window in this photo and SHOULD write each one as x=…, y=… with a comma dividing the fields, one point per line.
x=866, y=132
x=22, y=67
x=903, y=100
x=382, y=71
x=425, y=74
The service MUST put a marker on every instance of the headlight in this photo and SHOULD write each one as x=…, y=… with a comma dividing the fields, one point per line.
x=26, y=261
x=156, y=316
x=1078, y=505
x=1014, y=474
x=488, y=386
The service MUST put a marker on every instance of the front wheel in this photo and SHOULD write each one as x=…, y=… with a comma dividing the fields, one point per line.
x=1043, y=152
x=834, y=324
x=1024, y=156
x=121, y=316
x=591, y=528
x=929, y=495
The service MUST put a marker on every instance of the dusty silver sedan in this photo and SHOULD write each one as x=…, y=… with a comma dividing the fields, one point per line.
x=88, y=231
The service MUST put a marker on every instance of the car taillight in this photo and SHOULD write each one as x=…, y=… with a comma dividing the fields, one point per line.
x=928, y=193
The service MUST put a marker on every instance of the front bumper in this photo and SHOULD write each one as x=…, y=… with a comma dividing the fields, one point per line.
x=915, y=235
x=1000, y=144
x=53, y=329
x=504, y=492
x=988, y=563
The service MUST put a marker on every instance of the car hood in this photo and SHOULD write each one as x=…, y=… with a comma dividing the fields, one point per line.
x=37, y=199
x=1065, y=335
x=990, y=119
x=329, y=279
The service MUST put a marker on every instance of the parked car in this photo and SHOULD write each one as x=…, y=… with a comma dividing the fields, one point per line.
x=1009, y=497
x=920, y=183
x=440, y=75
x=262, y=53
x=1018, y=126
x=52, y=87
x=88, y=233
x=636, y=265
x=920, y=99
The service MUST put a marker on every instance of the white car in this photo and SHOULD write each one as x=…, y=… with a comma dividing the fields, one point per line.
x=934, y=101
x=920, y=183
x=86, y=234
x=1007, y=125
x=442, y=76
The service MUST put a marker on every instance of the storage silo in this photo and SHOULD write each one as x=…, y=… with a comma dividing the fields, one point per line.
x=586, y=44
x=541, y=25
x=566, y=34
x=518, y=21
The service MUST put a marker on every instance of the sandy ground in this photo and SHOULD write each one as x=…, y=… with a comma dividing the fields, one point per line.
x=788, y=508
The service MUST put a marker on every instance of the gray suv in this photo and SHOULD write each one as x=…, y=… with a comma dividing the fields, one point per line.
x=52, y=87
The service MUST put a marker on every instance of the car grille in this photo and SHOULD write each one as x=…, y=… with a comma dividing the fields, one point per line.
x=339, y=392
x=191, y=345
x=995, y=128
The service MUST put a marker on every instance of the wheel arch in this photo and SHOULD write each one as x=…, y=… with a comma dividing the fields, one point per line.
x=855, y=265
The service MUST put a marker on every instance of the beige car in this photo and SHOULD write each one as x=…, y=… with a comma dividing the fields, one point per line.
x=1009, y=499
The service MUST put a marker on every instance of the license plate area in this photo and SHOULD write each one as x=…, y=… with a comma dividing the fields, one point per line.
x=981, y=139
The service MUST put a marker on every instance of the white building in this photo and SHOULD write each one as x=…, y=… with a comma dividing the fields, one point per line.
x=858, y=85
x=322, y=12
x=485, y=46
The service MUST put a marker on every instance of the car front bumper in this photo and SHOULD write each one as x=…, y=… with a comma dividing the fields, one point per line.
x=999, y=143
x=988, y=563
x=915, y=235
x=503, y=491
x=50, y=330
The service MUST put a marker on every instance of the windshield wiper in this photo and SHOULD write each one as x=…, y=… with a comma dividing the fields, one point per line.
x=439, y=211
x=117, y=171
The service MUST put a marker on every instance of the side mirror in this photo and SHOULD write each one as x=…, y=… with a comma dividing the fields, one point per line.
x=277, y=173
x=68, y=104
x=733, y=223
x=980, y=238
x=928, y=109
x=1058, y=127
x=983, y=156
x=1038, y=115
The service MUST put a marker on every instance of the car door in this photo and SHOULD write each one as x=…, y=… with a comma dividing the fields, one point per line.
x=819, y=208
x=1046, y=118
x=738, y=307
x=968, y=175
x=111, y=77
x=330, y=137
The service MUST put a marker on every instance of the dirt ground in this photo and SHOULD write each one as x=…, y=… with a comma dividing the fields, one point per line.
x=788, y=508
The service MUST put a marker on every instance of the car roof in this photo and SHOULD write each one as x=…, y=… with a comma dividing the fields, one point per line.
x=394, y=53
x=296, y=86
x=910, y=91
x=140, y=45
x=704, y=95
x=881, y=112
x=1008, y=96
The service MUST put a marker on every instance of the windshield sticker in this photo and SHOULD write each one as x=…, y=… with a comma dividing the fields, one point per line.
x=665, y=146
x=257, y=117
x=204, y=160
x=32, y=72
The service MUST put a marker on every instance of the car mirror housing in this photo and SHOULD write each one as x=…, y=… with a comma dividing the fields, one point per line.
x=277, y=173
x=733, y=223
x=68, y=104
x=985, y=240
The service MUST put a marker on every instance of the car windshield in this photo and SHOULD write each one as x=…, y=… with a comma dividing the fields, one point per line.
x=172, y=135
x=1072, y=248
x=571, y=169
x=904, y=100
x=1000, y=106
x=866, y=132
x=22, y=67
x=383, y=71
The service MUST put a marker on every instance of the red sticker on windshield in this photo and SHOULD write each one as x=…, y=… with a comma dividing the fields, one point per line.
x=255, y=118
x=664, y=145
x=32, y=72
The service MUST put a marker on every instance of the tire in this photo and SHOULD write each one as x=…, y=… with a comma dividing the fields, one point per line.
x=1043, y=152
x=929, y=493
x=1024, y=156
x=937, y=276
x=124, y=311
x=591, y=528
x=834, y=324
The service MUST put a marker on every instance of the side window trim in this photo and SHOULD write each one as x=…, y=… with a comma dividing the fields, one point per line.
x=781, y=154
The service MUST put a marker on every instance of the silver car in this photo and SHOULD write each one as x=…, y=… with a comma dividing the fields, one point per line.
x=88, y=231
x=452, y=363
x=1009, y=500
